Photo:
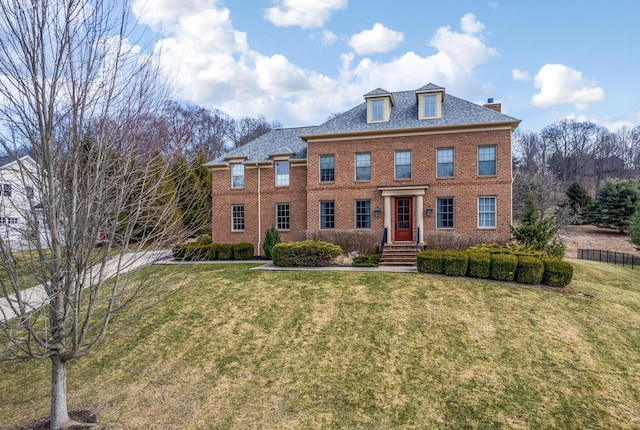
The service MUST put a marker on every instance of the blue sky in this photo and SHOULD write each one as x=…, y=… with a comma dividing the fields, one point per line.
x=298, y=61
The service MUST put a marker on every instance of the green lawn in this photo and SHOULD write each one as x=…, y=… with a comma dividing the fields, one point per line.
x=240, y=349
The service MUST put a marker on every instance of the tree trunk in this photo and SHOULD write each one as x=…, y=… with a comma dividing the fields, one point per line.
x=59, y=413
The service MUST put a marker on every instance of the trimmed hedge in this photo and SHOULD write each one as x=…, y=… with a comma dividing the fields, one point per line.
x=479, y=264
x=530, y=270
x=370, y=260
x=557, y=273
x=503, y=267
x=430, y=261
x=243, y=251
x=455, y=263
x=308, y=253
x=225, y=251
x=191, y=252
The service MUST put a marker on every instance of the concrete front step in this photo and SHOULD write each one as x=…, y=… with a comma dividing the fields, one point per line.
x=399, y=255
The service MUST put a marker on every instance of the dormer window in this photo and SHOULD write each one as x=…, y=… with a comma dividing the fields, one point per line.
x=430, y=98
x=379, y=104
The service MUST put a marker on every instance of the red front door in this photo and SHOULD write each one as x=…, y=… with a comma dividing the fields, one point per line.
x=403, y=219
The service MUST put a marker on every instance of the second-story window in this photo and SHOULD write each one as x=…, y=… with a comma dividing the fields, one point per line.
x=363, y=167
x=403, y=165
x=445, y=163
x=6, y=190
x=237, y=175
x=487, y=160
x=282, y=173
x=327, y=168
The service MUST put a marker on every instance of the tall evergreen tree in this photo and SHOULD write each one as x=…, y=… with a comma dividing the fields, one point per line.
x=615, y=203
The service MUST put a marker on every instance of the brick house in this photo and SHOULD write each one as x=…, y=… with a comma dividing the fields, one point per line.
x=406, y=162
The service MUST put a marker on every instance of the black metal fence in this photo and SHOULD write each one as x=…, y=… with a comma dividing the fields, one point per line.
x=614, y=257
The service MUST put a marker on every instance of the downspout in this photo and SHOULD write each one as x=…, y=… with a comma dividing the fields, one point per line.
x=259, y=213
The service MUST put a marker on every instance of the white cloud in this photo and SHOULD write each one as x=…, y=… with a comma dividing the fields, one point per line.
x=520, y=75
x=213, y=65
x=303, y=13
x=470, y=24
x=328, y=37
x=560, y=84
x=378, y=39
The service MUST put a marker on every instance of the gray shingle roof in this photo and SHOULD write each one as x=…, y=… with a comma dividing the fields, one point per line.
x=404, y=116
x=276, y=141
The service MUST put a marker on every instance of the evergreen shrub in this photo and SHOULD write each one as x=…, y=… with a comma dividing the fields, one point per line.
x=479, y=264
x=503, y=267
x=455, y=263
x=225, y=251
x=530, y=270
x=308, y=253
x=243, y=251
x=370, y=260
x=430, y=261
x=557, y=273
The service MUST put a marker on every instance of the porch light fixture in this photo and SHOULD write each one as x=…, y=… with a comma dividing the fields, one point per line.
x=429, y=210
x=377, y=212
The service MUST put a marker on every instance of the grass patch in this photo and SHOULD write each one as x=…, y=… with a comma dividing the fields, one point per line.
x=252, y=349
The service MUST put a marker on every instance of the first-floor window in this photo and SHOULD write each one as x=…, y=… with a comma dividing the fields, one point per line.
x=486, y=212
x=445, y=212
x=6, y=190
x=282, y=216
x=9, y=220
x=363, y=213
x=327, y=214
x=237, y=217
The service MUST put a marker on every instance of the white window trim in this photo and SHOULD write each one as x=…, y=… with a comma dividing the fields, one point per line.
x=495, y=213
x=453, y=150
x=395, y=164
x=244, y=218
x=276, y=173
x=421, y=104
x=320, y=168
x=386, y=109
x=495, y=160
x=288, y=216
x=355, y=167
x=243, y=175
x=453, y=201
x=355, y=214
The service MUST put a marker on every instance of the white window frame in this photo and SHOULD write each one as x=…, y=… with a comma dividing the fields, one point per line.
x=324, y=216
x=395, y=165
x=359, y=154
x=441, y=151
x=430, y=100
x=439, y=213
x=283, y=180
x=237, y=175
x=483, y=212
x=494, y=160
x=363, y=217
x=283, y=216
x=237, y=218
x=333, y=159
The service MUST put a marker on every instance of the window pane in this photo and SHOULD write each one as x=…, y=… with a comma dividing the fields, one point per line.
x=237, y=217
x=237, y=175
x=363, y=213
x=282, y=173
x=429, y=103
x=445, y=213
x=486, y=160
x=445, y=163
x=487, y=212
x=377, y=110
x=363, y=167
x=403, y=165
x=327, y=168
x=282, y=216
x=327, y=214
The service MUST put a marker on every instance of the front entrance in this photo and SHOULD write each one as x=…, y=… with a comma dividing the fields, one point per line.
x=404, y=219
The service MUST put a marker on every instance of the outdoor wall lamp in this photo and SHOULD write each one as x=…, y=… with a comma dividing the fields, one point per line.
x=377, y=212
x=429, y=210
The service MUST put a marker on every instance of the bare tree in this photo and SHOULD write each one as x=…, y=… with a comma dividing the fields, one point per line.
x=245, y=130
x=75, y=90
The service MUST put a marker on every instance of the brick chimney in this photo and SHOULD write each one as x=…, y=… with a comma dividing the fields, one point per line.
x=493, y=106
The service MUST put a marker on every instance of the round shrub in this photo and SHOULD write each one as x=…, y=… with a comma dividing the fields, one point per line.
x=225, y=251
x=430, y=261
x=213, y=251
x=530, y=270
x=479, y=264
x=243, y=251
x=308, y=253
x=455, y=263
x=503, y=267
x=557, y=273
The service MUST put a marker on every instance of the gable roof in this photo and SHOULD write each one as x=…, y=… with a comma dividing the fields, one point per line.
x=456, y=112
x=9, y=159
x=277, y=141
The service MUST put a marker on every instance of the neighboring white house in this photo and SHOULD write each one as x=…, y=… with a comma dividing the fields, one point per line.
x=19, y=202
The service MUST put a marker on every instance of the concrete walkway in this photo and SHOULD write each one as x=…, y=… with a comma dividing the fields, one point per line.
x=36, y=297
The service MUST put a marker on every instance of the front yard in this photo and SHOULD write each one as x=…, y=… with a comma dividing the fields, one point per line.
x=235, y=348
